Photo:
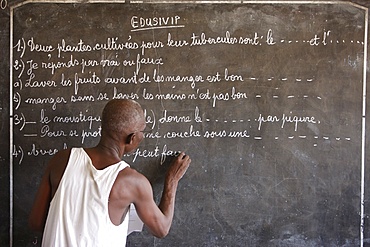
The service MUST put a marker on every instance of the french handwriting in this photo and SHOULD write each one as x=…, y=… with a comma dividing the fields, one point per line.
x=286, y=119
x=202, y=39
x=20, y=47
x=147, y=61
x=31, y=83
x=175, y=43
x=19, y=66
x=82, y=98
x=150, y=118
x=17, y=99
x=168, y=118
x=233, y=95
x=78, y=80
x=157, y=22
x=53, y=66
x=111, y=44
x=90, y=134
x=122, y=95
x=192, y=79
x=3, y=4
x=317, y=39
x=47, y=132
x=211, y=134
x=57, y=132
x=158, y=152
x=191, y=132
x=36, y=47
x=20, y=120
x=18, y=153
x=68, y=68
x=53, y=101
x=81, y=117
x=144, y=153
x=150, y=45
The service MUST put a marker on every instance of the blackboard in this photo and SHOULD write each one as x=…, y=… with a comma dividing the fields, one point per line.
x=269, y=100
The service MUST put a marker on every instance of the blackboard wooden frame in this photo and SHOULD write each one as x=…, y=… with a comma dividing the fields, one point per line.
x=363, y=141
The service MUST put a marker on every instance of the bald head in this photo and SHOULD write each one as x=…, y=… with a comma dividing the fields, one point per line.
x=122, y=116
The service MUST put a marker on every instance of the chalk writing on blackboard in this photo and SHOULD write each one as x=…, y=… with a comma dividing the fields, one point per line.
x=144, y=69
x=3, y=4
x=267, y=98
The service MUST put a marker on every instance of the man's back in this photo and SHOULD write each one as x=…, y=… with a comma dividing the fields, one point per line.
x=123, y=124
x=79, y=208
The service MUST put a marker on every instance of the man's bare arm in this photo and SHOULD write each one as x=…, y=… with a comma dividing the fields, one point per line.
x=159, y=218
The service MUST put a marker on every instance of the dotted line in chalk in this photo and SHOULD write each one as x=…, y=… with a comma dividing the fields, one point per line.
x=259, y=96
x=328, y=42
x=237, y=120
x=283, y=79
x=228, y=121
x=291, y=137
x=325, y=138
x=291, y=96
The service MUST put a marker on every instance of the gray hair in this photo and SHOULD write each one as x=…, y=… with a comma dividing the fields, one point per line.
x=121, y=116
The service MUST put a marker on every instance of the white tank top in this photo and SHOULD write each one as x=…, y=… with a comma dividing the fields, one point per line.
x=78, y=213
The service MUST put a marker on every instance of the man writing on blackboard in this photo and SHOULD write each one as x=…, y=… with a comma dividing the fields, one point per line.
x=84, y=195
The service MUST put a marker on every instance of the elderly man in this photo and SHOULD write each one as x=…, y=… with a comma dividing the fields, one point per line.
x=85, y=193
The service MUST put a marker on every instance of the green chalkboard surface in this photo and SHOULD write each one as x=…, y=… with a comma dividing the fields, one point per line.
x=267, y=99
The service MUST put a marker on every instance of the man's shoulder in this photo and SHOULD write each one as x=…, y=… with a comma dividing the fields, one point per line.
x=131, y=183
x=130, y=173
x=130, y=177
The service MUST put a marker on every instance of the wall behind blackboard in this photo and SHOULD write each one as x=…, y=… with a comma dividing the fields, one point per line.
x=266, y=98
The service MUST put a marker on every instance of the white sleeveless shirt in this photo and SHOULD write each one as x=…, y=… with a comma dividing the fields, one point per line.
x=78, y=213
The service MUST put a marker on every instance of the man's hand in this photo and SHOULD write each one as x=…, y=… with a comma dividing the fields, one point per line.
x=178, y=167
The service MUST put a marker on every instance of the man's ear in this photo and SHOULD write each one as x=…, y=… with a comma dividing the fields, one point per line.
x=130, y=138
